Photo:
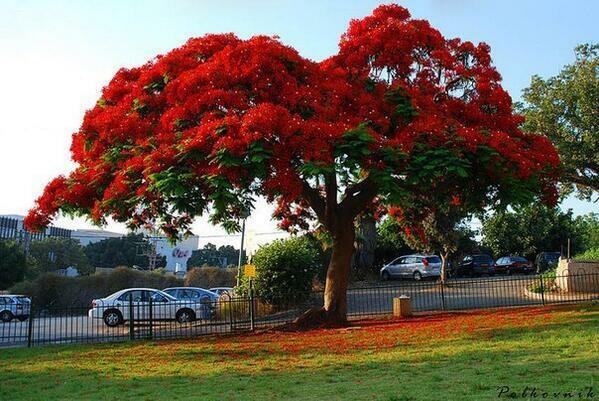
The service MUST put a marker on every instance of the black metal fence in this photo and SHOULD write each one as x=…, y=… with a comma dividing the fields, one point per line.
x=157, y=320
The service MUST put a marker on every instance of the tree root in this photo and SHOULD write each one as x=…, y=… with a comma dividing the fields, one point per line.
x=315, y=318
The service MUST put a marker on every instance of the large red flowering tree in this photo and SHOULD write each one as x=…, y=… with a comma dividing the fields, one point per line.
x=211, y=125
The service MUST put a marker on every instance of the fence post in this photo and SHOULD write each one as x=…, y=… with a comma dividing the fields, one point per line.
x=30, y=327
x=542, y=289
x=231, y=311
x=442, y=295
x=252, y=323
x=150, y=317
x=131, y=317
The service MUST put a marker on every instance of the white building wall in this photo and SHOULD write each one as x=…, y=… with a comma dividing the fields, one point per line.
x=178, y=253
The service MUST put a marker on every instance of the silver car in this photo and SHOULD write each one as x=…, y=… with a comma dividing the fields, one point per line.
x=412, y=266
x=115, y=309
x=14, y=307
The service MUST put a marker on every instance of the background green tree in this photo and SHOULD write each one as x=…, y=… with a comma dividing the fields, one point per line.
x=390, y=242
x=566, y=108
x=13, y=264
x=123, y=251
x=210, y=255
x=51, y=254
x=529, y=230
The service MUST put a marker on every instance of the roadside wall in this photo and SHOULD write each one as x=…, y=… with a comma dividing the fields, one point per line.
x=573, y=276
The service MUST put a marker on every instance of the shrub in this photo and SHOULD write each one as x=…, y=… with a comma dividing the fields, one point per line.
x=285, y=270
x=549, y=284
x=210, y=276
x=51, y=290
x=589, y=255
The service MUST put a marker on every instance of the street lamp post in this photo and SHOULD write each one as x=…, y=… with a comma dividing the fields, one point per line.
x=240, y=260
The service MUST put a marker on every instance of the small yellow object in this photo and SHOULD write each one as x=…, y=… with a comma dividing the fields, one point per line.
x=249, y=271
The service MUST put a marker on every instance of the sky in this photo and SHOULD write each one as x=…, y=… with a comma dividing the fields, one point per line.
x=55, y=56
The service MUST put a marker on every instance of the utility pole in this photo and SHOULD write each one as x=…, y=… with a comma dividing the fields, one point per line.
x=240, y=260
x=148, y=249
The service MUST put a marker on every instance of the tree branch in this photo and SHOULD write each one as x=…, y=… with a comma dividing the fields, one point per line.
x=316, y=201
x=357, y=197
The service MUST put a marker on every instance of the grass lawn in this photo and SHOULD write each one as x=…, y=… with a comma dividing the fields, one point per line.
x=436, y=357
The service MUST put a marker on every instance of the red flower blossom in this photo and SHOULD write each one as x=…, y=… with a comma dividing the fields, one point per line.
x=212, y=124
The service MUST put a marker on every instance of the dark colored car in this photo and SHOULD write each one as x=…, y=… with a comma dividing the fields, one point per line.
x=513, y=264
x=474, y=265
x=546, y=261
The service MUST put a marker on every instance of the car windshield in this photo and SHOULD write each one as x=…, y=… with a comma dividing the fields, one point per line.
x=519, y=259
x=23, y=300
x=553, y=256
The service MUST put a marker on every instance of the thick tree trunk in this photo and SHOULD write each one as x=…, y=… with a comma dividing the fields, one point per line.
x=335, y=292
x=334, y=310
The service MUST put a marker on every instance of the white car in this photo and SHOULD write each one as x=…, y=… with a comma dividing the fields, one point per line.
x=14, y=307
x=115, y=309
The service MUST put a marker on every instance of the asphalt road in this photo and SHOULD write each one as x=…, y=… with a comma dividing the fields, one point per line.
x=456, y=294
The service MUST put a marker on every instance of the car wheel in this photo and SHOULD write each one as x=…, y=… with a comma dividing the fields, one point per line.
x=385, y=276
x=417, y=276
x=185, y=315
x=6, y=316
x=112, y=318
x=23, y=318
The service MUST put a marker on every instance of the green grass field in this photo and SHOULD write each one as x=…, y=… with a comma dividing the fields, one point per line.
x=435, y=357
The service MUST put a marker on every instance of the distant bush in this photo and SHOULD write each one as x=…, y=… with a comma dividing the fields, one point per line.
x=589, y=255
x=51, y=290
x=285, y=270
x=210, y=276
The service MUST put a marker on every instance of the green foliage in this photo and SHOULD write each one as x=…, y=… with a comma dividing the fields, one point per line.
x=222, y=256
x=591, y=255
x=51, y=290
x=13, y=264
x=285, y=270
x=51, y=254
x=530, y=230
x=210, y=276
x=390, y=242
x=123, y=251
x=564, y=108
x=587, y=227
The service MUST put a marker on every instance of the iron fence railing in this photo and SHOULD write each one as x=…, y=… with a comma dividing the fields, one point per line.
x=133, y=319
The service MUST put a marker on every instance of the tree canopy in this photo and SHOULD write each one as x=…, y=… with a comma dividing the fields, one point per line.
x=211, y=125
x=566, y=108
x=529, y=230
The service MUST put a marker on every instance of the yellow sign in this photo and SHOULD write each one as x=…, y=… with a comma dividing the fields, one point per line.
x=249, y=271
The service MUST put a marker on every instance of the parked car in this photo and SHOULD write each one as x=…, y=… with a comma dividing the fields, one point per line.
x=474, y=265
x=412, y=266
x=513, y=264
x=14, y=307
x=207, y=298
x=546, y=260
x=223, y=291
x=114, y=309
